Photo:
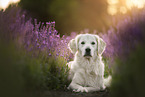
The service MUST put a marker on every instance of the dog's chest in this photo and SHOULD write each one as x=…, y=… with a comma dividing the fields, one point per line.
x=91, y=74
x=90, y=78
x=91, y=68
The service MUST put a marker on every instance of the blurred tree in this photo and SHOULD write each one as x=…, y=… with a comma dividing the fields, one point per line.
x=70, y=15
x=37, y=8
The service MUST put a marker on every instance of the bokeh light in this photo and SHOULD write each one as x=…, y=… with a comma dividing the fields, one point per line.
x=112, y=10
x=5, y=3
x=122, y=6
x=123, y=9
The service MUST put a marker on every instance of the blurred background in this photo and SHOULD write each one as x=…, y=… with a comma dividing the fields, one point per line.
x=33, y=44
x=76, y=15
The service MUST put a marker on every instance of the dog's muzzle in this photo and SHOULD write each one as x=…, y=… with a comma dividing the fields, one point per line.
x=87, y=53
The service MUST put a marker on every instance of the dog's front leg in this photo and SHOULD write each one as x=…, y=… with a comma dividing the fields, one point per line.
x=77, y=82
x=100, y=82
x=77, y=88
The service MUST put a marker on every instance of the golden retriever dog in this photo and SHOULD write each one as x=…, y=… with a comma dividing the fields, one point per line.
x=87, y=69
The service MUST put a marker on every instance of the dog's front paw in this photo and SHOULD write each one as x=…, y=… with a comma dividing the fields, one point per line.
x=103, y=87
x=80, y=89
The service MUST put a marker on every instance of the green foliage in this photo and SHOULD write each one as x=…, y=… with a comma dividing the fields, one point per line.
x=128, y=78
x=55, y=73
x=108, y=70
x=22, y=73
x=12, y=82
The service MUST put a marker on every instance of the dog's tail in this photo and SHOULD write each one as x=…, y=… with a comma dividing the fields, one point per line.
x=107, y=81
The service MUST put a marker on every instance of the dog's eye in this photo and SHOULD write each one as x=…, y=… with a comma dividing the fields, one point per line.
x=82, y=42
x=93, y=43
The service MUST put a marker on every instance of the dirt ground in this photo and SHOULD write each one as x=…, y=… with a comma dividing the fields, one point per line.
x=104, y=93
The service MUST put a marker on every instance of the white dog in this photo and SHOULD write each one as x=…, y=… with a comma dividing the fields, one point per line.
x=87, y=69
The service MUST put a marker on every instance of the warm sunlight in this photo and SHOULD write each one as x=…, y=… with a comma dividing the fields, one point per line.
x=135, y=3
x=112, y=10
x=123, y=9
x=4, y=3
x=112, y=1
x=121, y=6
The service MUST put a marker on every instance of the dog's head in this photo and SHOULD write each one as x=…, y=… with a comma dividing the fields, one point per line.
x=88, y=45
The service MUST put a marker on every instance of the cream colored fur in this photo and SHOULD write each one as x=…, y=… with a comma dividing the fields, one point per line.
x=87, y=72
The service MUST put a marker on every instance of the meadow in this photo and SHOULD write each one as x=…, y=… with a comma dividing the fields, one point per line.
x=33, y=54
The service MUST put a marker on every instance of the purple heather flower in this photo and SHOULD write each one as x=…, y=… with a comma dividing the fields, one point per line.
x=44, y=42
x=49, y=54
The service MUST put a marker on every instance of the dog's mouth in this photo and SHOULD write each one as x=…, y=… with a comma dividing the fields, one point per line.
x=87, y=56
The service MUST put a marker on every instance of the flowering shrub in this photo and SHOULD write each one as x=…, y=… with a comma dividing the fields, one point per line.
x=46, y=39
x=124, y=35
x=126, y=43
x=40, y=51
x=37, y=38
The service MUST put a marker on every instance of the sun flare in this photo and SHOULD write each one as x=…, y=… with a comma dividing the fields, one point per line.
x=5, y=3
x=122, y=6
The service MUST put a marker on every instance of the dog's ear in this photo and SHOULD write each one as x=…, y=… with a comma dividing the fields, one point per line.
x=77, y=39
x=101, y=45
x=72, y=46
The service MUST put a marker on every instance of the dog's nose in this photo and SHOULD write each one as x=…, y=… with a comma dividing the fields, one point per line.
x=88, y=49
